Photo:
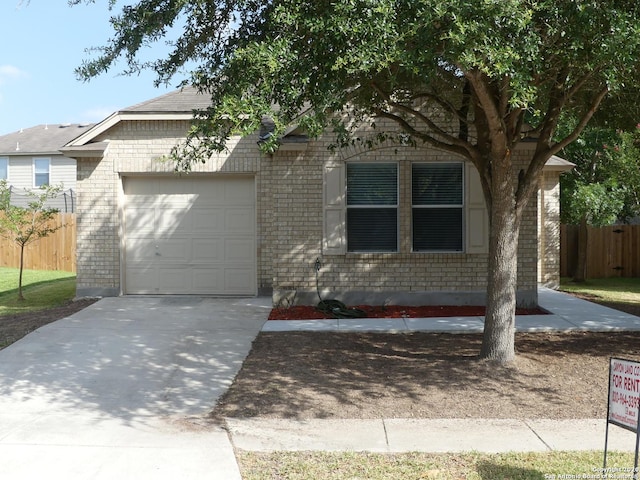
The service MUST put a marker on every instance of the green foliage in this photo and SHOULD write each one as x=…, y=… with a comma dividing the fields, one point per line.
x=597, y=203
x=25, y=225
x=605, y=184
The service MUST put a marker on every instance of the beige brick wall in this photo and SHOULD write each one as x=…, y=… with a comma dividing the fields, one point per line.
x=457, y=277
x=98, y=252
x=549, y=226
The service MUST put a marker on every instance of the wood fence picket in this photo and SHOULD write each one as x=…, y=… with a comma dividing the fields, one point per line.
x=612, y=251
x=55, y=252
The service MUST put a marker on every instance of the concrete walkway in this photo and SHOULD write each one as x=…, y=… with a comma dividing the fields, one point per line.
x=567, y=313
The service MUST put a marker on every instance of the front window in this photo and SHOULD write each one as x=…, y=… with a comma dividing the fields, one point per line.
x=4, y=169
x=437, y=207
x=372, y=207
x=41, y=171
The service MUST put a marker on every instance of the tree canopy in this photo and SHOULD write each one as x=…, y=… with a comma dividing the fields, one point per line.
x=471, y=77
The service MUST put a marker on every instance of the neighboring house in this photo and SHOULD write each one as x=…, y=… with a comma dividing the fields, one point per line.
x=394, y=224
x=31, y=157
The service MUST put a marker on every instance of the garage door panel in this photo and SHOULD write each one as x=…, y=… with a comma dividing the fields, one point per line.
x=239, y=250
x=208, y=250
x=236, y=279
x=182, y=201
x=140, y=249
x=174, y=250
x=138, y=187
x=208, y=220
x=239, y=192
x=239, y=220
x=139, y=221
x=173, y=280
x=171, y=221
x=192, y=235
x=138, y=278
x=208, y=280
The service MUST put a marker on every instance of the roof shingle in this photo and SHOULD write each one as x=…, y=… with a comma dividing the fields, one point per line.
x=41, y=139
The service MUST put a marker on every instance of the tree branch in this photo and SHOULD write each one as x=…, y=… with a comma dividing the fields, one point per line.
x=430, y=139
x=487, y=102
x=431, y=125
x=529, y=182
x=575, y=133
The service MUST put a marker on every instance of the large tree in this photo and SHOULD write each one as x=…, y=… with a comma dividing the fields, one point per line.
x=471, y=77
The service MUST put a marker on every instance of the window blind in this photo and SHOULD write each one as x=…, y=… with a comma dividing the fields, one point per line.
x=372, y=184
x=438, y=200
x=372, y=207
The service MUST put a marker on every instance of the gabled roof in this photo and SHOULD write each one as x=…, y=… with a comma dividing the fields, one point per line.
x=558, y=164
x=184, y=100
x=41, y=139
x=176, y=105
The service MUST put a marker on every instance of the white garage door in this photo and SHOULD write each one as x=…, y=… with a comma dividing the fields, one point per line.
x=190, y=235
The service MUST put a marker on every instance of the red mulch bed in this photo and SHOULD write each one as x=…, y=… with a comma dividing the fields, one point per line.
x=302, y=312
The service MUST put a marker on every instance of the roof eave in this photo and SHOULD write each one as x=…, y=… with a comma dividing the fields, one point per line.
x=557, y=164
x=91, y=150
x=118, y=117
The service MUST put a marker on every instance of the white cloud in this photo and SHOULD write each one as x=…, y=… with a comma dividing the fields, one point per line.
x=10, y=72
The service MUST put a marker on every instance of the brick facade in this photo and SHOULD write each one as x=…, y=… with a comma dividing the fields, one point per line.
x=289, y=211
x=401, y=277
x=140, y=148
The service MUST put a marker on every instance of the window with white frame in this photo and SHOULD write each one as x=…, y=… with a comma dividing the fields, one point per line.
x=4, y=168
x=437, y=193
x=372, y=207
x=41, y=171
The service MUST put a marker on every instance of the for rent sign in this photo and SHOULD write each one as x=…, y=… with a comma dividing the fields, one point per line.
x=624, y=393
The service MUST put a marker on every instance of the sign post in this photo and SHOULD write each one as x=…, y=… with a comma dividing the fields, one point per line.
x=624, y=397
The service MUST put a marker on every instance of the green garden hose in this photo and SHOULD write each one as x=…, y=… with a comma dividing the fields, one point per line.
x=335, y=307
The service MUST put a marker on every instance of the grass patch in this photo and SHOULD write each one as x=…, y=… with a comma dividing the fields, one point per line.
x=410, y=466
x=41, y=289
x=618, y=290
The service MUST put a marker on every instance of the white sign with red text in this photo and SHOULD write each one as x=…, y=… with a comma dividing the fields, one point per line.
x=624, y=393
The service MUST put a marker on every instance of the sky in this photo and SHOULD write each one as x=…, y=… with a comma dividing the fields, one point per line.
x=42, y=43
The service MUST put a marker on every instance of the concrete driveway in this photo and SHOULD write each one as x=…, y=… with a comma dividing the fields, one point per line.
x=121, y=389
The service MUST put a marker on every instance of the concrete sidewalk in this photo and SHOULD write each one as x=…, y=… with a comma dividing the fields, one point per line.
x=421, y=435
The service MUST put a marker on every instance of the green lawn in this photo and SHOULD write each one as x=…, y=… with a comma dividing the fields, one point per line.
x=414, y=466
x=625, y=290
x=41, y=289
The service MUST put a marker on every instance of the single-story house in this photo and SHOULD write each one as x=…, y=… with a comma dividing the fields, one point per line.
x=395, y=224
x=31, y=157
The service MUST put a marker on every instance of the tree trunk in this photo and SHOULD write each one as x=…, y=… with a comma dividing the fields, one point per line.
x=580, y=274
x=20, y=296
x=498, y=342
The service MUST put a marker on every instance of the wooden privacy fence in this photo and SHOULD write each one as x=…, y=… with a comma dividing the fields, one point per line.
x=612, y=251
x=55, y=252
